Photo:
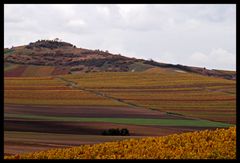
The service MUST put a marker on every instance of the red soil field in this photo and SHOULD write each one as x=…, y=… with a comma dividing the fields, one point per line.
x=36, y=88
x=88, y=111
x=60, y=71
x=18, y=71
x=172, y=99
x=91, y=128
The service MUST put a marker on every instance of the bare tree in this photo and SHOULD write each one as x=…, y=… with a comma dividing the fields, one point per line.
x=57, y=39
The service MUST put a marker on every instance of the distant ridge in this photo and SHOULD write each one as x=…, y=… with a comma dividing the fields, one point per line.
x=56, y=57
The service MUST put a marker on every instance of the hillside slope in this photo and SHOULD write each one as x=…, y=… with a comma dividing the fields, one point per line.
x=65, y=58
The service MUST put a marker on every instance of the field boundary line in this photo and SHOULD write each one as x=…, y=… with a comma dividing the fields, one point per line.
x=75, y=85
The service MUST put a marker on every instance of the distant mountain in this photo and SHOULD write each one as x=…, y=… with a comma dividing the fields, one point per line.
x=56, y=58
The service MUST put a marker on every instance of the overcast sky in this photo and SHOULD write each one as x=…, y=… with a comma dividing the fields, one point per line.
x=195, y=35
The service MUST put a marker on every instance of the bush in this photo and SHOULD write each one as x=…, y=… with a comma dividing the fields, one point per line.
x=116, y=132
x=124, y=132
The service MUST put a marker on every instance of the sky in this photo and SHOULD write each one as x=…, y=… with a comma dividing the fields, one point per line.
x=202, y=35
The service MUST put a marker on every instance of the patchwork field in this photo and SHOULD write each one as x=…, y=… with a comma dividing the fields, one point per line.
x=168, y=91
x=77, y=108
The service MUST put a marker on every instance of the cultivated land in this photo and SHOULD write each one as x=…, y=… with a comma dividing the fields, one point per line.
x=57, y=95
x=157, y=102
x=49, y=57
x=168, y=91
x=217, y=144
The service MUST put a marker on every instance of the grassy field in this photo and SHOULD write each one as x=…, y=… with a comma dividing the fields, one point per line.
x=8, y=51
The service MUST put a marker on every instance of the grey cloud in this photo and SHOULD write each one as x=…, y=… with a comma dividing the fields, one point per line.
x=166, y=33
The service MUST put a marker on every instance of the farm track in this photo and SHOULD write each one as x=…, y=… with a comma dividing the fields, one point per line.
x=75, y=85
x=205, y=88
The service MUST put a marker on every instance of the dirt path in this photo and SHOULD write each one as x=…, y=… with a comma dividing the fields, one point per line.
x=72, y=84
x=219, y=90
x=205, y=88
x=75, y=85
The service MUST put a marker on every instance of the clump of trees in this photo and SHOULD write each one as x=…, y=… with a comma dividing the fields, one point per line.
x=51, y=44
x=116, y=132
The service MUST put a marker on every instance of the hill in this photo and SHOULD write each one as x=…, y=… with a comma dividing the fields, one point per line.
x=51, y=101
x=53, y=57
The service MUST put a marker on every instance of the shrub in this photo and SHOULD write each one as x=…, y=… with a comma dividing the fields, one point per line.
x=116, y=132
x=124, y=132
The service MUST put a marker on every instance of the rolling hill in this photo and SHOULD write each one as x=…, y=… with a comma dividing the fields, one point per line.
x=51, y=57
x=57, y=95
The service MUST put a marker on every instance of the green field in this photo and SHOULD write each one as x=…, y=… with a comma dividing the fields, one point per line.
x=131, y=121
x=9, y=51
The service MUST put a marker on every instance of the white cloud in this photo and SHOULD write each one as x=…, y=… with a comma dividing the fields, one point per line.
x=76, y=23
x=179, y=34
x=76, y=26
x=216, y=58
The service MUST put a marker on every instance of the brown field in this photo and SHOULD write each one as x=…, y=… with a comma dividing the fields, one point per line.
x=16, y=71
x=60, y=71
x=88, y=111
x=23, y=142
x=165, y=95
x=21, y=135
x=91, y=128
x=65, y=134
x=167, y=91
x=19, y=70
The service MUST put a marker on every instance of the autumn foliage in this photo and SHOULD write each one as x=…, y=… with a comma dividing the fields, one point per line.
x=207, y=144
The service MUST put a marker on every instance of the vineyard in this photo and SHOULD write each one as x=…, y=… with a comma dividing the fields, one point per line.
x=157, y=102
x=217, y=144
x=18, y=70
x=168, y=91
x=48, y=91
x=65, y=102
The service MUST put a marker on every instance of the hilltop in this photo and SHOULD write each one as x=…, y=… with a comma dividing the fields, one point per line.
x=57, y=57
